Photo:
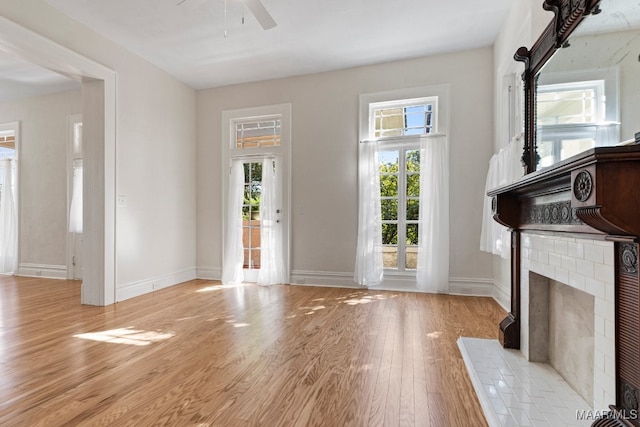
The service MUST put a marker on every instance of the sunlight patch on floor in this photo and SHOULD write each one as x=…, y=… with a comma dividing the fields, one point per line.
x=128, y=336
x=220, y=287
x=365, y=300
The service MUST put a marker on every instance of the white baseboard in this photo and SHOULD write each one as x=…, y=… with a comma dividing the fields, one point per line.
x=208, y=273
x=142, y=287
x=403, y=283
x=502, y=296
x=323, y=278
x=42, y=270
x=470, y=286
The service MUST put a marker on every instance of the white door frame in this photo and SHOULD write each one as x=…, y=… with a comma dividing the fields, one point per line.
x=72, y=121
x=15, y=127
x=99, y=109
x=229, y=118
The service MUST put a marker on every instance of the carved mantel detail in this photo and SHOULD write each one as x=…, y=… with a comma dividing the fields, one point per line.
x=628, y=258
x=582, y=186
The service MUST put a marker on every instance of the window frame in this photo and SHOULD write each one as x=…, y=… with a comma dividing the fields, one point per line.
x=402, y=197
x=607, y=105
x=230, y=152
x=395, y=279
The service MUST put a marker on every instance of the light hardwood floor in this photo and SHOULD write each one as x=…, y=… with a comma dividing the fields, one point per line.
x=200, y=354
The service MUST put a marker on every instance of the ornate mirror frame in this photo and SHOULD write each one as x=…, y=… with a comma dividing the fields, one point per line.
x=568, y=15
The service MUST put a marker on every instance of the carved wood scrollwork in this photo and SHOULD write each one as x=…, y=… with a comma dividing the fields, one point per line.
x=559, y=213
x=568, y=14
x=582, y=186
x=629, y=258
x=629, y=399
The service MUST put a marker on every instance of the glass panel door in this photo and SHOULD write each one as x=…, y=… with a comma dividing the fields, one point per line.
x=251, y=219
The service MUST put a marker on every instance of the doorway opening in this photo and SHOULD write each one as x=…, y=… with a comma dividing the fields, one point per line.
x=75, y=177
x=9, y=133
x=256, y=194
x=99, y=115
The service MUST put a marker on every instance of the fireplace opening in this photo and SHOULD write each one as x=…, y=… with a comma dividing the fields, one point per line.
x=562, y=331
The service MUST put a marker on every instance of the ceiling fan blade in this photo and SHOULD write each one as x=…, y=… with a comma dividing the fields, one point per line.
x=260, y=12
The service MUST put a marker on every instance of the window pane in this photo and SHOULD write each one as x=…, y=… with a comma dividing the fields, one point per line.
x=390, y=257
x=413, y=209
x=412, y=234
x=255, y=258
x=411, y=258
x=264, y=133
x=413, y=185
x=545, y=151
x=246, y=263
x=567, y=104
x=388, y=186
x=245, y=234
x=571, y=147
x=413, y=161
x=389, y=161
x=389, y=234
x=389, y=209
x=407, y=120
x=389, y=122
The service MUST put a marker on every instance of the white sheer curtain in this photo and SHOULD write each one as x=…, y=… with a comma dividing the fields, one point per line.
x=8, y=218
x=369, y=265
x=504, y=168
x=272, y=269
x=75, y=211
x=433, y=240
x=233, y=251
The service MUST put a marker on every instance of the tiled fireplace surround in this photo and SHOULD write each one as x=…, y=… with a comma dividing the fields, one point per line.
x=586, y=265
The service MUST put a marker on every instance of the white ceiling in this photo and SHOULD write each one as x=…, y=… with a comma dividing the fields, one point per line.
x=188, y=41
x=22, y=79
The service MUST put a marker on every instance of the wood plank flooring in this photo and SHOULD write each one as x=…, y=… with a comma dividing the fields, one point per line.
x=202, y=354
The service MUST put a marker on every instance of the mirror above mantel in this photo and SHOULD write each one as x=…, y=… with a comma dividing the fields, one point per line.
x=588, y=92
x=581, y=89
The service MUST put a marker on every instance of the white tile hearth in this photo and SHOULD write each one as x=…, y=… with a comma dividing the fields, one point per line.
x=515, y=392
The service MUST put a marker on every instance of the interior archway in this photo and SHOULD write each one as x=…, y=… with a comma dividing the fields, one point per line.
x=99, y=115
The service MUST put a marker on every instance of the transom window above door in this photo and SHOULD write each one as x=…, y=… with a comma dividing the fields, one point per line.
x=258, y=133
x=392, y=120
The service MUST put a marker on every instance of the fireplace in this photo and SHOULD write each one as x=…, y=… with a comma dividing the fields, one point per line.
x=584, y=236
x=568, y=311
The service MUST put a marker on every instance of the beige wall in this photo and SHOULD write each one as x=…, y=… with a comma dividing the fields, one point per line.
x=525, y=22
x=324, y=156
x=42, y=172
x=155, y=154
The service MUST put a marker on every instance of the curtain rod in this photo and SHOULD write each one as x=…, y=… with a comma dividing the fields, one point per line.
x=402, y=138
x=254, y=156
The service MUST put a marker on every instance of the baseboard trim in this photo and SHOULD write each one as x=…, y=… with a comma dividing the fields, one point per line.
x=323, y=278
x=471, y=286
x=142, y=287
x=502, y=296
x=46, y=271
x=209, y=273
x=392, y=282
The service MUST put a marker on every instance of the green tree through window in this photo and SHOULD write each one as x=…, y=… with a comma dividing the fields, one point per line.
x=400, y=205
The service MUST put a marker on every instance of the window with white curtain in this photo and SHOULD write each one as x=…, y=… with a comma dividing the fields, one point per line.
x=398, y=125
x=403, y=193
x=256, y=143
